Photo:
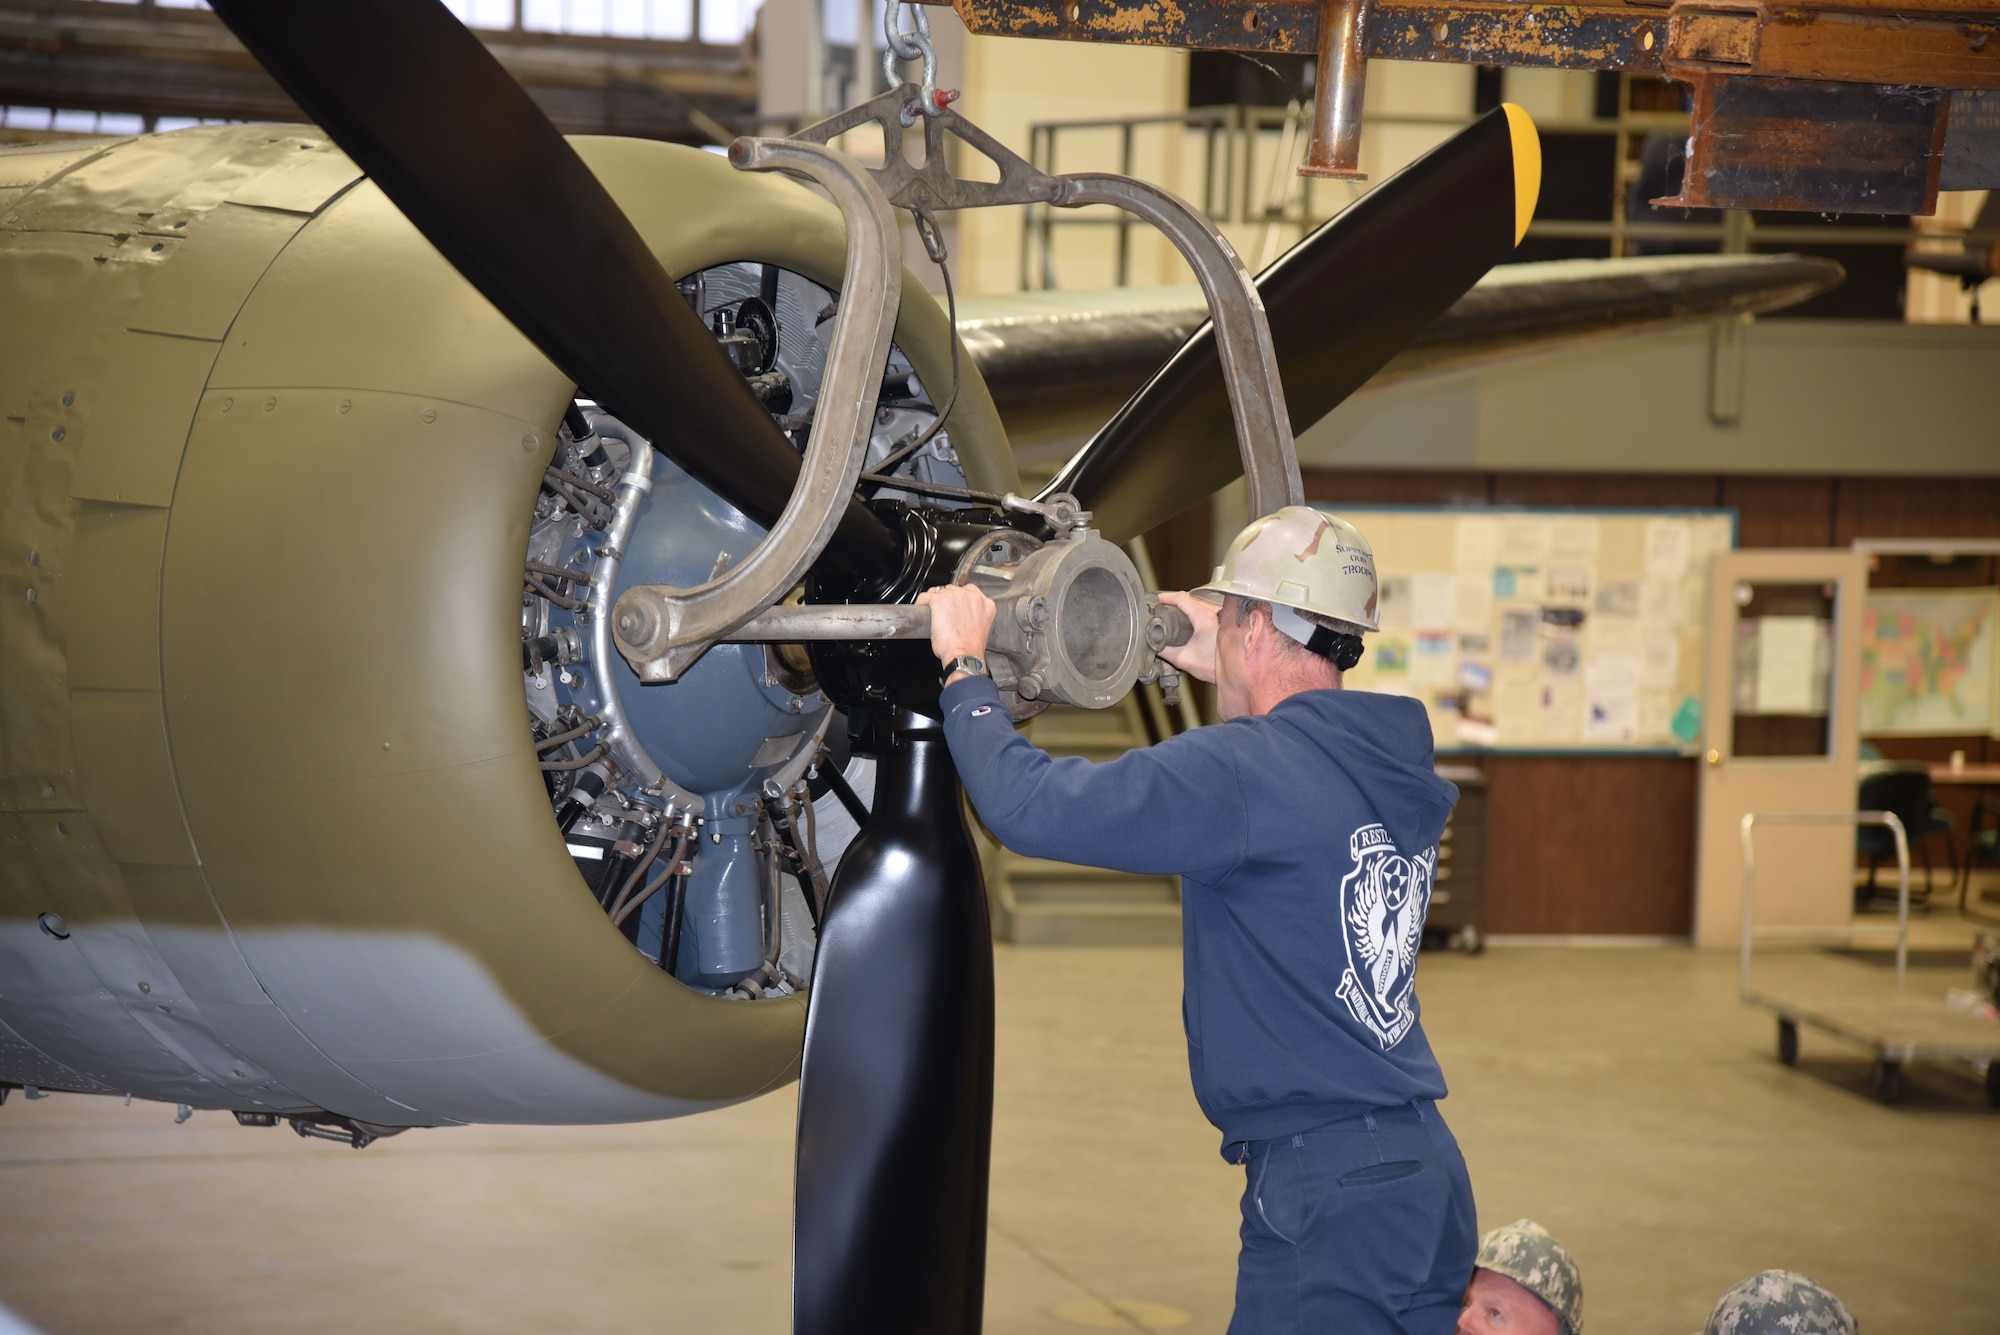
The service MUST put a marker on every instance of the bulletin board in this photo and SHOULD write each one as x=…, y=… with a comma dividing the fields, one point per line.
x=1543, y=629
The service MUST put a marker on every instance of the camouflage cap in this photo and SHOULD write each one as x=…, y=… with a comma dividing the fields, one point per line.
x=1780, y=1302
x=1528, y=1254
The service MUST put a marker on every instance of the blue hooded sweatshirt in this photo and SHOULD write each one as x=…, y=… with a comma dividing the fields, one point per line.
x=1306, y=842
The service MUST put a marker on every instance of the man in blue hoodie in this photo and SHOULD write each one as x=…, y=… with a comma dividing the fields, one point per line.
x=1305, y=831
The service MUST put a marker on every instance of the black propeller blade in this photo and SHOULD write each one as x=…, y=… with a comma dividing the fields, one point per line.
x=896, y=1095
x=1341, y=304
x=420, y=105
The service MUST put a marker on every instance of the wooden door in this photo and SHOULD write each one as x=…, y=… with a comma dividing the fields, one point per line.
x=1779, y=733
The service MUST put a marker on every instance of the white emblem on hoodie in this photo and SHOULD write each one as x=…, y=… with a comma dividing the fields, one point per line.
x=1383, y=900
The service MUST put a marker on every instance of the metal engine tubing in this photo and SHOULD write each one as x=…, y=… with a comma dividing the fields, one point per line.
x=605, y=660
x=896, y=1095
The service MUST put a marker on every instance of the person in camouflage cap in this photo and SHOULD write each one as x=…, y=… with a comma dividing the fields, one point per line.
x=1523, y=1282
x=1780, y=1302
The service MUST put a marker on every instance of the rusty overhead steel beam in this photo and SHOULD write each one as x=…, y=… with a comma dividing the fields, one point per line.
x=1854, y=98
x=1955, y=45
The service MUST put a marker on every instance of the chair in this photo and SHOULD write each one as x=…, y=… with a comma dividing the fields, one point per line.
x=1982, y=844
x=1941, y=822
x=1904, y=788
x=1971, y=265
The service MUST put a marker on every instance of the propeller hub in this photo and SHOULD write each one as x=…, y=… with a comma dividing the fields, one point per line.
x=1076, y=625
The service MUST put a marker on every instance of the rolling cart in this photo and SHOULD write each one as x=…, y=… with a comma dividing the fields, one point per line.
x=1458, y=901
x=1897, y=1026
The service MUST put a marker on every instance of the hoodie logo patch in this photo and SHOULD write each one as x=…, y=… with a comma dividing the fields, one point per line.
x=982, y=711
x=1383, y=900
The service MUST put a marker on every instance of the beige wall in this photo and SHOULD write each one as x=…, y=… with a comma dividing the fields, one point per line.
x=1395, y=88
x=1935, y=298
x=1820, y=397
x=1011, y=82
x=1551, y=95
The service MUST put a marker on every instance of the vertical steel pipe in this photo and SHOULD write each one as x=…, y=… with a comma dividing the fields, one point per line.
x=1335, y=149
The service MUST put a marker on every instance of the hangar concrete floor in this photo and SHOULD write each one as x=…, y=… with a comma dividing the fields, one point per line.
x=1623, y=1097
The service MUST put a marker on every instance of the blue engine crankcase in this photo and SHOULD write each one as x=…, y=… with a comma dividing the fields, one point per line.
x=740, y=715
x=725, y=726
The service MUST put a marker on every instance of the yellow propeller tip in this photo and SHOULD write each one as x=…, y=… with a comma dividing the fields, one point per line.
x=1527, y=167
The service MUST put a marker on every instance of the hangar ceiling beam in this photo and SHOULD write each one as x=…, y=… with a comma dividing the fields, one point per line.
x=84, y=55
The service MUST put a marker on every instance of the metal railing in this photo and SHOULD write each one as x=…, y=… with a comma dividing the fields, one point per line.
x=1247, y=155
x=1750, y=929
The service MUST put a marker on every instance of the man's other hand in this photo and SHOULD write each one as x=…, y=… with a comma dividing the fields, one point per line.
x=961, y=620
x=1197, y=657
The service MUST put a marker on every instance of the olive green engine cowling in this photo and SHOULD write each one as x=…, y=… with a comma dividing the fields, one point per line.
x=262, y=722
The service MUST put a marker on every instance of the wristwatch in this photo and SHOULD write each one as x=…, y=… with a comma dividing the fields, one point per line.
x=966, y=663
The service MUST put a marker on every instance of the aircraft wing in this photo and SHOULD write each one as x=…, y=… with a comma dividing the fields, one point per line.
x=1058, y=363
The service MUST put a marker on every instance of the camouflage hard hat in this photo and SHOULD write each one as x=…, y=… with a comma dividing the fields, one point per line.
x=1780, y=1302
x=1300, y=558
x=1528, y=1254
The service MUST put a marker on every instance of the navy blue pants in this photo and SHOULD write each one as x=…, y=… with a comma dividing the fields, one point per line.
x=1362, y=1226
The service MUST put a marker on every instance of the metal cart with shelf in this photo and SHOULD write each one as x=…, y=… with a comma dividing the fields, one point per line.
x=1897, y=1026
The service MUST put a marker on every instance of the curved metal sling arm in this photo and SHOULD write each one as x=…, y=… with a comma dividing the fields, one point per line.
x=1242, y=333
x=661, y=629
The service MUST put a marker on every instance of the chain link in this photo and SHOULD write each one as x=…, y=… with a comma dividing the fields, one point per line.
x=914, y=44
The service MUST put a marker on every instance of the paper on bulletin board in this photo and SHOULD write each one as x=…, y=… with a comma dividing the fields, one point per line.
x=1611, y=698
x=1660, y=602
x=1667, y=548
x=1392, y=601
x=1525, y=539
x=1562, y=709
x=1617, y=635
x=1433, y=661
x=1573, y=540
x=1432, y=594
x=1656, y=713
x=1520, y=634
x=1525, y=583
x=1517, y=709
x=1660, y=659
x=1569, y=584
x=1562, y=653
x=1472, y=600
x=1617, y=597
x=1476, y=543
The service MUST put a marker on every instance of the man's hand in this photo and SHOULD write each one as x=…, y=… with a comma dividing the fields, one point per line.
x=961, y=620
x=1196, y=658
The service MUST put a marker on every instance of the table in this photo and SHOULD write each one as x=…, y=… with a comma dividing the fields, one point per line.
x=1980, y=776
